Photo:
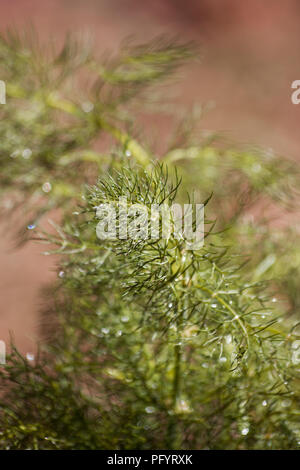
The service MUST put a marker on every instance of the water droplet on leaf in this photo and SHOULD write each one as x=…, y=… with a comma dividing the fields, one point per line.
x=150, y=409
x=30, y=357
x=245, y=431
x=46, y=187
x=26, y=153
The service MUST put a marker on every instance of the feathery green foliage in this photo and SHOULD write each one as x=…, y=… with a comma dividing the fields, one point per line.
x=147, y=345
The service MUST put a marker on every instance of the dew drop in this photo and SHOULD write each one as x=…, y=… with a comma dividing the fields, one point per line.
x=30, y=356
x=15, y=154
x=61, y=274
x=26, y=153
x=128, y=153
x=47, y=187
x=245, y=431
x=150, y=409
x=105, y=331
x=31, y=226
x=264, y=403
x=228, y=339
x=87, y=106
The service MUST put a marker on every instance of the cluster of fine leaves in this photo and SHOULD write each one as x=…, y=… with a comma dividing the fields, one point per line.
x=146, y=344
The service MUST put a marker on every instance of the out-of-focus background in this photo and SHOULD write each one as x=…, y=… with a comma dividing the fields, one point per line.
x=250, y=58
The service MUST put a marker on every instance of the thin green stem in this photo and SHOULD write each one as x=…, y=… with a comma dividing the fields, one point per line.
x=236, y=317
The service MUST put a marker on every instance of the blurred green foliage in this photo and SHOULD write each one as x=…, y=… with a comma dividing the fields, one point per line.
x=146, y=345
